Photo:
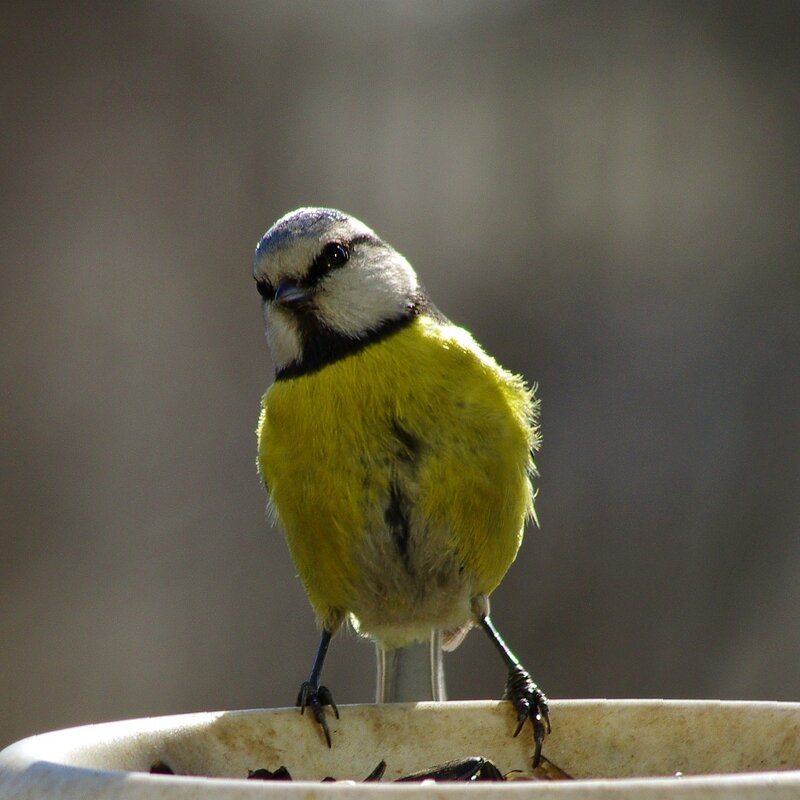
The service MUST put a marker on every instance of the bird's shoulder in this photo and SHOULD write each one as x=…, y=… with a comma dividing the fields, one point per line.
x=430, y=355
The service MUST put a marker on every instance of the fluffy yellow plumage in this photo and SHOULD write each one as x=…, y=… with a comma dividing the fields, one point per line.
x=425, y=411
x=396, y=453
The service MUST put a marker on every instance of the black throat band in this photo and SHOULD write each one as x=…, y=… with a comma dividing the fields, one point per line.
x=323, y=346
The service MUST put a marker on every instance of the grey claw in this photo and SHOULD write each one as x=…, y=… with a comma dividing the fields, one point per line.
x=316, y=698
x=530, y=703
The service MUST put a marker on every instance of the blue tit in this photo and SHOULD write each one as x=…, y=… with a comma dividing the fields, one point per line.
x=396, y=453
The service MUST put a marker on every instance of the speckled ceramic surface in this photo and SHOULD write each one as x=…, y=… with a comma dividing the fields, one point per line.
x=613, y=748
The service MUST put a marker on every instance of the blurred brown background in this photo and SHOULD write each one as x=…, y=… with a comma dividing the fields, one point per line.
x=606, y=194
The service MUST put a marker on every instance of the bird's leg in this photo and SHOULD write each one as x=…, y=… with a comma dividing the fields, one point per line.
x=527, y=698
x=313, y=695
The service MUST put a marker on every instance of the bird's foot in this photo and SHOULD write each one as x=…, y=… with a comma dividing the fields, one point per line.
x=316, y=698
x=529, y=702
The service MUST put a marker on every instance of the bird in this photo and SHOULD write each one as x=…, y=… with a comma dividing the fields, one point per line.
x=397, y=456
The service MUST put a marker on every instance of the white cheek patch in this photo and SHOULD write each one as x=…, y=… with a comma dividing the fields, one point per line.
x=365, y=293
x=291, y=264
x=283, y=337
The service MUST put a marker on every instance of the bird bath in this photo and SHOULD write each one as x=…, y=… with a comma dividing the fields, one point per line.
x=612, y=748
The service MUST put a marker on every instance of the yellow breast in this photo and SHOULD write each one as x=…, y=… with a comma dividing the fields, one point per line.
x=427, y=410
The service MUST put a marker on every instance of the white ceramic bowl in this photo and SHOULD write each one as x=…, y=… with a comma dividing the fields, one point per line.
x=614, y=748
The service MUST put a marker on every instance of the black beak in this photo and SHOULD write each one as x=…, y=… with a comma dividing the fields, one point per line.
x=288, y=293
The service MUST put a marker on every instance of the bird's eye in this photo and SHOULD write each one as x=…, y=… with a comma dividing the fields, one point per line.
x=333, y=255
x=336, y=254
x=265, y=289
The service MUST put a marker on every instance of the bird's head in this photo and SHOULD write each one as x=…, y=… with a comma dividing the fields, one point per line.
x=328, y=282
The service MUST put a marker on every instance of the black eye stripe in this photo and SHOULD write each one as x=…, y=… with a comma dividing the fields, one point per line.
x=336, y=254
x=333, y=255
x=265, y=289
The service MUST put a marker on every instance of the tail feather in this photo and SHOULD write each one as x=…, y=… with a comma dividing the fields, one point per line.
x=414, y=673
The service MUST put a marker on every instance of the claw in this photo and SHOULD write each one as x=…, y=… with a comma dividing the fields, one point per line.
x=529, y=702
x=316, y=698
x=326, y=699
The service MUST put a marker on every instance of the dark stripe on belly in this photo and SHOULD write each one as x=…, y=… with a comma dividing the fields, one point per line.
x=396, y=516
x=409, y=446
